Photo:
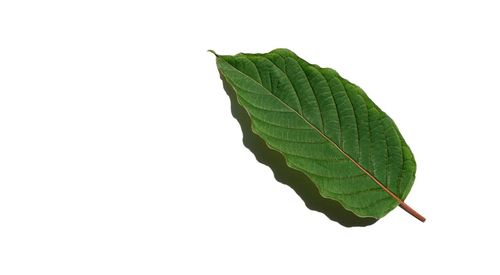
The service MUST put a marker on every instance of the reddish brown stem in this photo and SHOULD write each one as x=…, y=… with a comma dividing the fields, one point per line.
x=411, y=211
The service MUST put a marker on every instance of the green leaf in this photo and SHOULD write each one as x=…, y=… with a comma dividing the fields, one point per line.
x=325, y=127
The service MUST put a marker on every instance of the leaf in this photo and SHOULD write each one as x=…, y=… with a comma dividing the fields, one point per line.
x=325, y=127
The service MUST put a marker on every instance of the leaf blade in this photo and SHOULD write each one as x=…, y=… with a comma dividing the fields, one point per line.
x=306, y=104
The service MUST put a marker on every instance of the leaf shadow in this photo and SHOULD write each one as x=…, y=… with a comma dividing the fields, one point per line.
x=296, y=180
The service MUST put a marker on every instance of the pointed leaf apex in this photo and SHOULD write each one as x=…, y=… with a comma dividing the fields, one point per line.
x=212, y=51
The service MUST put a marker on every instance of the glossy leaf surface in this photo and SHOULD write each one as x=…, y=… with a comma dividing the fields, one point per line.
x=325, y=127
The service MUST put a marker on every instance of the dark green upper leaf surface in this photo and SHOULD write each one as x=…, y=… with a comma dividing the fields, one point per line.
x=310, y=115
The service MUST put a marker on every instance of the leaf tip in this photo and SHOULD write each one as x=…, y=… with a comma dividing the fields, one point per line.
x=212, y=51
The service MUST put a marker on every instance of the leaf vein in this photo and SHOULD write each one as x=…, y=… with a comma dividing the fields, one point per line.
x=289, y=81
x=262, y=108
x=289, y=140
x=354, y=114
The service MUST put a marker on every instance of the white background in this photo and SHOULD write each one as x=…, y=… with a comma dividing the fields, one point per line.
x=119, y=154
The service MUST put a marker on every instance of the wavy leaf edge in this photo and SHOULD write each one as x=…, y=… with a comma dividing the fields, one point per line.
x=397, y=200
